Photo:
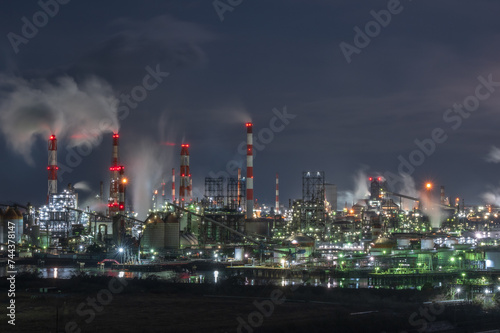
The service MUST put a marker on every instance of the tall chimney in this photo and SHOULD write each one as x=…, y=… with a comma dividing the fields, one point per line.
x=52, y=166
x=121, y=190
x=277, y=209
x=239, y=189
x=249, y=171
x=116, y=175
x=173, y=186
x=184, y=188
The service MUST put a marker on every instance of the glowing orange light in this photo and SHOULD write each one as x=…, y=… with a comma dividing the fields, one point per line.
x=124, y=180
x=428, y=186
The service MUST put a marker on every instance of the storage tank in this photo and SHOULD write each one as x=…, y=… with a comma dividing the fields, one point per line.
x=19, y=225
x=10, y=215
x=161, y=234
x=427, y=244
x=172, y=235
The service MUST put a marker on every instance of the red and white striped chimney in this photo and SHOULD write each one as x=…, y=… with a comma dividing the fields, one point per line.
x=239, y=189
x=185, y=184
x=121, y=190
x=52, y=166
x=249, y=171
x=190, y=189
x=173, y=186
x=115, y=178
x=277, y=209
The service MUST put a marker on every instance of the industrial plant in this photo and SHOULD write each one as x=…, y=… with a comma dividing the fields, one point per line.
x=387, y=237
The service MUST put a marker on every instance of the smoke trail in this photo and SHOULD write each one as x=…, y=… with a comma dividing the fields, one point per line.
x=83, y=186
x=429, y=201
x=493, y=155
x=408, y=188
x=361, y=190
x=39, y=108
x=151, y=162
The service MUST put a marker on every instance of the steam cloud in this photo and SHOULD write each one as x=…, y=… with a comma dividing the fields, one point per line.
x=71, y=110
x=150, y=162
x=494, y=155
x=361, y=190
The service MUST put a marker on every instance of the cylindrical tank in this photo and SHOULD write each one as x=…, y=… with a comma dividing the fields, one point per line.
x=19, y=224
x=14, y=225
x=172, y=235
x=427, y=244
x=403, y=242
x=154, y=234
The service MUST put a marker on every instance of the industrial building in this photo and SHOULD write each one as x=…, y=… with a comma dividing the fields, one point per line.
x=384, y=231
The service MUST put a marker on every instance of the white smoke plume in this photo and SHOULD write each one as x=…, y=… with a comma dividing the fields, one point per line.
x=82, y=186
x=408, y=188
x=429, y=201
x=493, y=155
x=361, y=190
x=71, y=110
x=492, y=197
x=150, y=162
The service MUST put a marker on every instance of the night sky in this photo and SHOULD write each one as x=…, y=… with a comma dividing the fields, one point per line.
x=350, y=116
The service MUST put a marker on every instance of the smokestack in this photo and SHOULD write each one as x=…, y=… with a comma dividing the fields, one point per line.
x=190, y=188
x=184, y=188
x=116, y=187
x=173, y=186
x=249, y=171
x=239, y=188
x=121, y=190
x=277, y=209
x=52, y=166
x=442, y=196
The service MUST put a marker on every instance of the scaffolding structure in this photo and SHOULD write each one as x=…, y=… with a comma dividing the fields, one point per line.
x=310, y=212
x=313, y=186
x=235, y=194
x=214, y=192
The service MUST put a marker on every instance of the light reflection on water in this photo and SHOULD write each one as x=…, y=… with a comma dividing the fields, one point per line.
x=199, y=277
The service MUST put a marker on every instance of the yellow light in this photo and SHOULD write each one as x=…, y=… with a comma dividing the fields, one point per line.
x=124, y=180
x=428, y=186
